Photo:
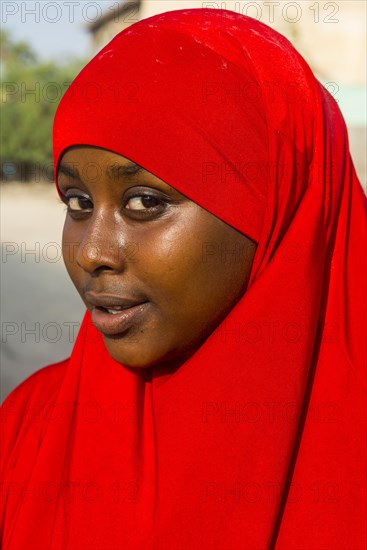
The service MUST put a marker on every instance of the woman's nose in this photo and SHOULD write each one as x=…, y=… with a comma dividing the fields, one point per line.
x=104, y=244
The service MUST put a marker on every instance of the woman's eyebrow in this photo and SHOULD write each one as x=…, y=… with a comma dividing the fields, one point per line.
x=115, y=171
x=129, y=168
x=67, y=170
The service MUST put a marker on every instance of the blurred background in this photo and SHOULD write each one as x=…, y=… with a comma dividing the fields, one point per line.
x=43, y=46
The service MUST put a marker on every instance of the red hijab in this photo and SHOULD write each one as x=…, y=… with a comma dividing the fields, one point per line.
x=256, y=441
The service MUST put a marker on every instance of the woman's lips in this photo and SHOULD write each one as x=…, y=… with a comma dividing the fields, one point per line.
x=112, y=324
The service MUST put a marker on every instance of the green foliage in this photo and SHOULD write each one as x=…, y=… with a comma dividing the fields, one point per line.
x=30, y=93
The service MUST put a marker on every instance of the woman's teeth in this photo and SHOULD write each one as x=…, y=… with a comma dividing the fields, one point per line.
x=115, y=310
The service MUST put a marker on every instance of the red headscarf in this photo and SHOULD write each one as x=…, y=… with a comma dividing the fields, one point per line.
x=255, y=442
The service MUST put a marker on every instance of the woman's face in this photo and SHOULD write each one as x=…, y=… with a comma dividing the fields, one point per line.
x=157, y=272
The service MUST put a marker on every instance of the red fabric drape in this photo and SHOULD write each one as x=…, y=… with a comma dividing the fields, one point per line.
x=257, y=441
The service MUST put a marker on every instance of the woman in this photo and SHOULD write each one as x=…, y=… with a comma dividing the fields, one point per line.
x=215, y=225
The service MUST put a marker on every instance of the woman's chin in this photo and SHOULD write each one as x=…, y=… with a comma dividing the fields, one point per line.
x=128, y=359
x=134, y=356
x=131, y=354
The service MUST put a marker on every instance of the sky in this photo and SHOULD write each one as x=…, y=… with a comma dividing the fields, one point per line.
x=55, y=29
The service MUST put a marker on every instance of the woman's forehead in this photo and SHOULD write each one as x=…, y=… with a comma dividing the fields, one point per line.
x=83, y=162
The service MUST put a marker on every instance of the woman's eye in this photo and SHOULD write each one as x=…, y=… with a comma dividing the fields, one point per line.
x=142, y=202
x=78, y=204
x=140, y=206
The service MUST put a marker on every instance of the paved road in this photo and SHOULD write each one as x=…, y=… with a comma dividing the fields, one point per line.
x=40, y=307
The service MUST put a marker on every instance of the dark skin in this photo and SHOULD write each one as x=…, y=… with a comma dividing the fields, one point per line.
x=131, y=234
